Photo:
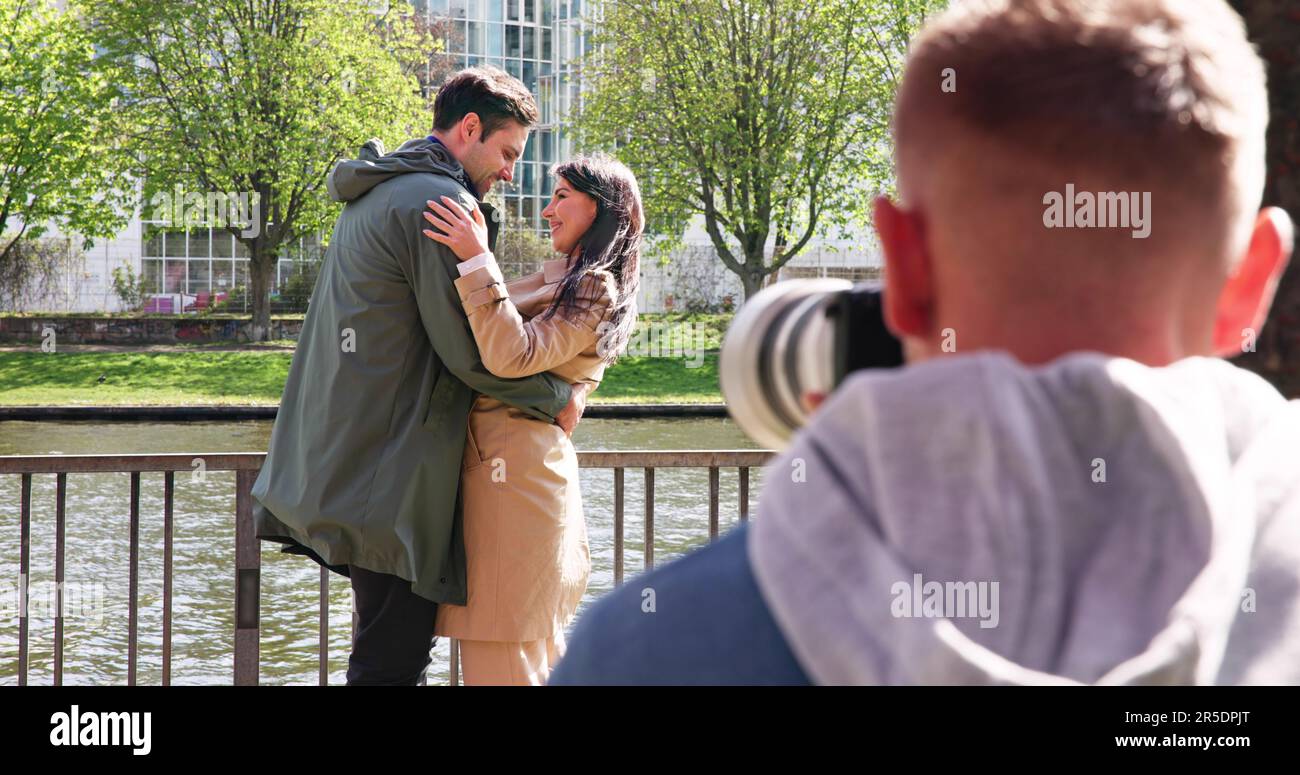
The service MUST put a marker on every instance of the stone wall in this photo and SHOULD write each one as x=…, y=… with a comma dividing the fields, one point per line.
x=190, y=329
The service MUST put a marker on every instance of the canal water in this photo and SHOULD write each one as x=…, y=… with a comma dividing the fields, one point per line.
x=98, y=544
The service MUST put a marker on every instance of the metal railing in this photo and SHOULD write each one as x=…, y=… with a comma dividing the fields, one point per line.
x=248, y=563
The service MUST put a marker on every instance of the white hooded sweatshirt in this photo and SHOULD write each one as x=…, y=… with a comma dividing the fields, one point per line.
x=971, y=520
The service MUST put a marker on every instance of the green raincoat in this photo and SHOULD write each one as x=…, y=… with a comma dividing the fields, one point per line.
x=365, y=456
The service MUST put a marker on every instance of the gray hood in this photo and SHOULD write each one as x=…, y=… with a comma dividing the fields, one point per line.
x=1092, y=520
x=351, y=179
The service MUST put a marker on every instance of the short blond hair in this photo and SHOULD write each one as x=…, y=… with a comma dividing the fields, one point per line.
x=1163, y=94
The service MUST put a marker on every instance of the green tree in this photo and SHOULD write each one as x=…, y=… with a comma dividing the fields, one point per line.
x=258, y=99
x=768, y=118
x=57, y=165
x=1275, y=29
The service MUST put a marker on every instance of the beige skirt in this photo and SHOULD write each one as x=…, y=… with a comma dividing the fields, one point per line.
x=526, y=554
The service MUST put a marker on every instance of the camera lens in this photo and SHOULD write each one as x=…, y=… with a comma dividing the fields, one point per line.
x=797, y=337
x=780, y=345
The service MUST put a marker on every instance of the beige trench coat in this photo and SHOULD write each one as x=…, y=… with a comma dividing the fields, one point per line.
x=527, y=560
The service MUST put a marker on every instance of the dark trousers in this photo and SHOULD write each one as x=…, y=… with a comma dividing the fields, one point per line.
x=394, y=631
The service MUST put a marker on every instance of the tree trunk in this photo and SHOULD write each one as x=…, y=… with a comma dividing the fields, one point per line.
x=1275, y=29
x=261, y=274
x=752, y=274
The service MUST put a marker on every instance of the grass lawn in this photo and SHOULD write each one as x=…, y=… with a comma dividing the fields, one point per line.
x=246, y=377
x=209, y=375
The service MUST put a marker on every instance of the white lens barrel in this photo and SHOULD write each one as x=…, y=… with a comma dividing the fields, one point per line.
x=778, y=346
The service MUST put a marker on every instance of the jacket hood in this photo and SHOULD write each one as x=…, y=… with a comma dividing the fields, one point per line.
x=352, y=178
x=974, y=520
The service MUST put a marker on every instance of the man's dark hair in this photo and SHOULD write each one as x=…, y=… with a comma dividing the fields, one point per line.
x=492, y=93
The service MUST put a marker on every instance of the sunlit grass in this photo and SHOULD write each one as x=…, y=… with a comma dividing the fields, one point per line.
x=201, y=377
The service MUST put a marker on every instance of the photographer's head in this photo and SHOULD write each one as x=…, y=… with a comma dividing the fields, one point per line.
x=1019, y=120
x=483, y=116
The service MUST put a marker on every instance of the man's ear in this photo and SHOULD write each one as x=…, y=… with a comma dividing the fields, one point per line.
x=908, y=296
x=1248, y=294
x=470, y=126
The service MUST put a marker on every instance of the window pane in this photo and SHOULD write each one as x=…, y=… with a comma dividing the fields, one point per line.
x=547, y=143
x=529, y=212
x=222, y=244
x=199, y=247
x=174, y=281
x=546, y=99
x=530, y=178
x=530, y=43
x=151, y=274
x=223, y=274
x=175, y=244
x=458, y=8
x=530, y=76
x=512, y=10
x=546, y=43
x=476, y=43
x=495, y=39
x=529, y=13
x=512, y=40
x=514, y=68
x=153, y=241
x=199, y=272
x=495, y=10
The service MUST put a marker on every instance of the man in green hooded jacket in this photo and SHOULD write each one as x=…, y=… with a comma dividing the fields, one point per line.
x=364, y=463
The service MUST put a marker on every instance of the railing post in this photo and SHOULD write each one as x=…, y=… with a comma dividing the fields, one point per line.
x=618, y=525
x=713, y=503
x=24, y=573
x=169, y=497
x=649, y=518
x=60, y=544
x=744, y=493
x=324, y=625
x=248, y=563
x=133, y=587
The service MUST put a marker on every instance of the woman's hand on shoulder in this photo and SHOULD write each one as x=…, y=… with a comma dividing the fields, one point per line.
x=466, y=233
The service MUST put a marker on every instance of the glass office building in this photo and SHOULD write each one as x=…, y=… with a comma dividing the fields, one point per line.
x=538, y=42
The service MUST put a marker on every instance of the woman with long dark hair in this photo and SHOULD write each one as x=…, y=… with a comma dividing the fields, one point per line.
x=527, y=560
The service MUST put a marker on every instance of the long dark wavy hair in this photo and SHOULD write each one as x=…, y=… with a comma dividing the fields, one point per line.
x=610, y=248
